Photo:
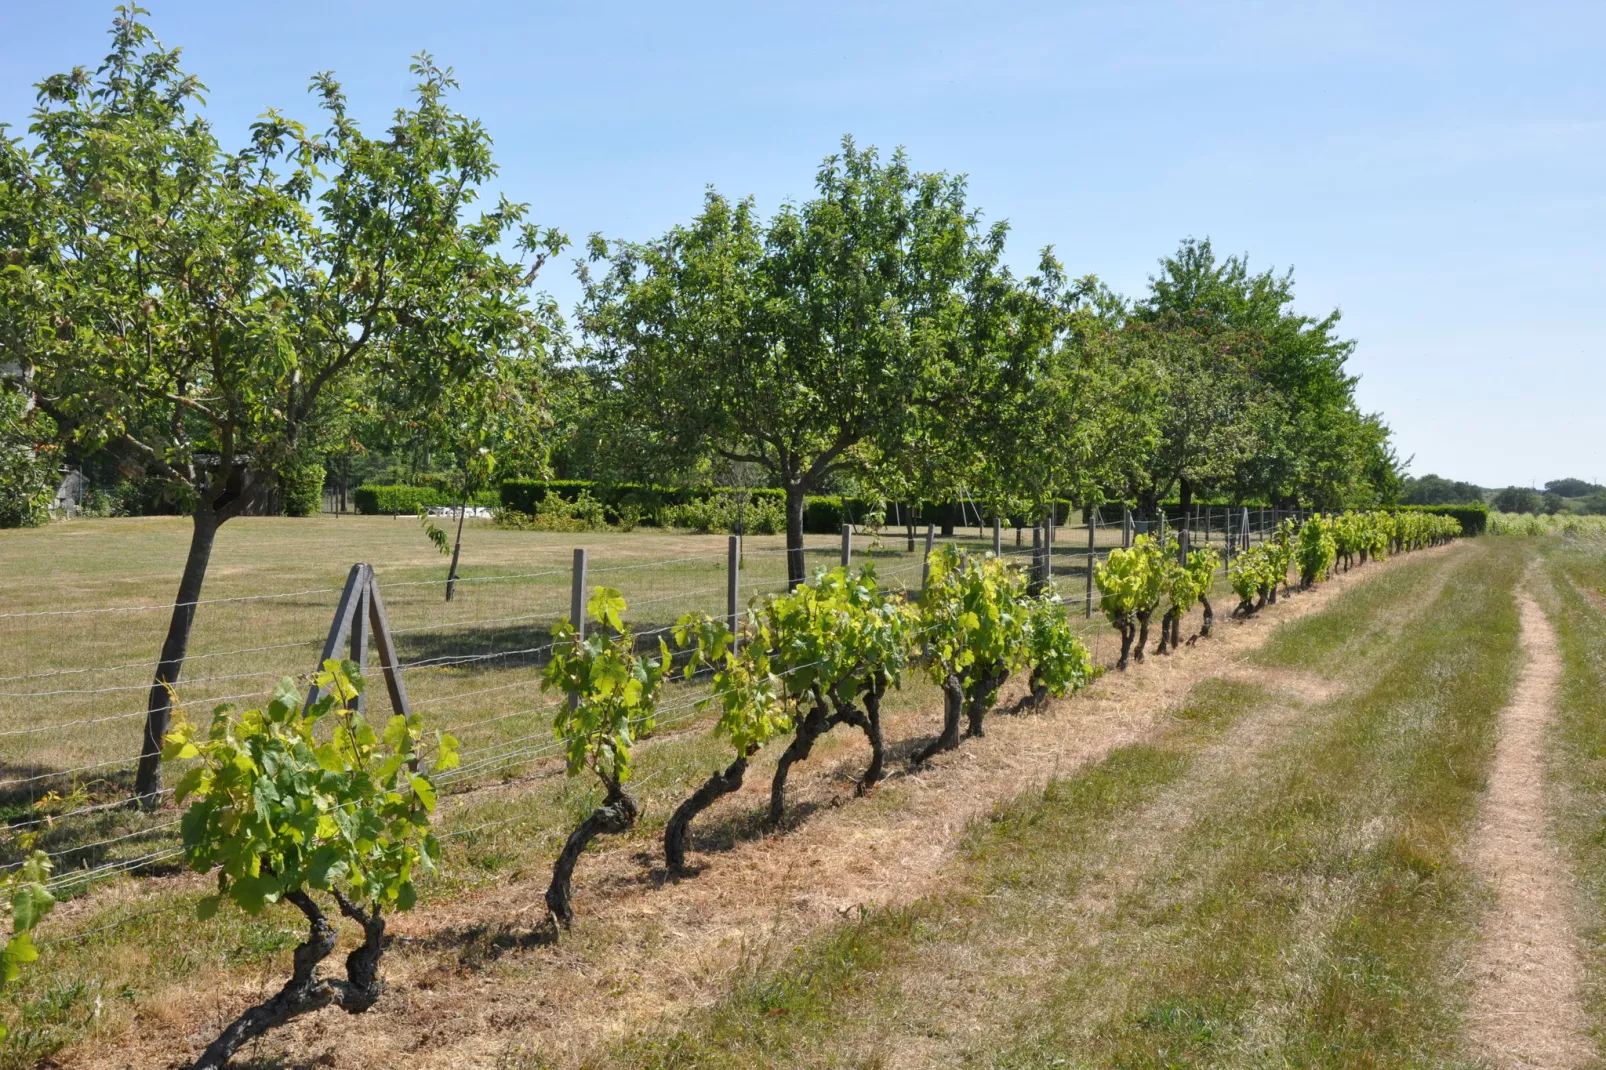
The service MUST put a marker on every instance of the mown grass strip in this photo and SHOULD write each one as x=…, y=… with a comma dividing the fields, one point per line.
x=1163, y=972
x=1573, y=597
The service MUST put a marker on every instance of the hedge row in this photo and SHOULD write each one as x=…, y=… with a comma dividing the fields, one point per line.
x=823, y=514
x=382, y=500
x=1474, y=518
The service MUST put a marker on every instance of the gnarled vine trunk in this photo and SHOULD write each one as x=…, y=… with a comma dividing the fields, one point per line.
x=1143, y=633
x=306, y=991
x=953, y=705
x=677, y=834
x=617, y=814
x=1128, y=632
x=1209, y=620
x=983, y=693
x=815, y=724
x=1167, y=632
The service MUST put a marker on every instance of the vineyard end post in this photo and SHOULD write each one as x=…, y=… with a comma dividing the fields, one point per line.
x=847, y=545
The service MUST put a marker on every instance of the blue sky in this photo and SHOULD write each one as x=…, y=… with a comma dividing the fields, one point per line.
x=1438, y=172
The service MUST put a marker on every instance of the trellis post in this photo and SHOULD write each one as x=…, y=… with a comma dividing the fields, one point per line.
x=733, y=564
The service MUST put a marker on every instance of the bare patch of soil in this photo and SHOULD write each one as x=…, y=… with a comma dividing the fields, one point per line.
x=469, y=988
x=1526, y=1006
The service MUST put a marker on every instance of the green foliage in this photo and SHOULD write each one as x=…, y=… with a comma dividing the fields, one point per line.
x=1184, y=583
x=387, y=500
x=751, y=698
x=171, y=301
x=613, y=690
x=1317, y=548
x=301, y=488
x=1573, y=488
x=1059, y=659
x=1436, y=490
x=973, y=615
x=1518, y=500
x=1250, y=574
x=288, y=798
x=832, y=636
x=764, y=343
x=26, y=896
x=1474, y=519
x=1131, y=581
x=27, y=472
x=718, y=513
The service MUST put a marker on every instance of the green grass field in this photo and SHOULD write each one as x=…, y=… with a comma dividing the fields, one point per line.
x=504, y=823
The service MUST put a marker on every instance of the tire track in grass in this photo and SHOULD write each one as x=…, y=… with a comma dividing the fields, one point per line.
x=1527, y=1010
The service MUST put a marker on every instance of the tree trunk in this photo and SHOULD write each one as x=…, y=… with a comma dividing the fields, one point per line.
x=1165, y=633
x=795, y=576
x=1127, y=632
x=1148, y=506
x=677, y=835
x=953, y=704
x=1176, y=630
x=457, y=549
x=1209, y=620
x=304, y=992
x=1143, y=633
x=159, y=705
x=616, y=814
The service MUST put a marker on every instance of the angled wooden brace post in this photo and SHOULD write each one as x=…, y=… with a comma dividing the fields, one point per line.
x=360, y=611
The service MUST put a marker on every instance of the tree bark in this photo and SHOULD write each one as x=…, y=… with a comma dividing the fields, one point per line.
x=1127, y=632
x=616, y=814
x=159, y=704
x=795, y=575
x=457, y=549
x=677, y=835
x=1165, y=633
x=953, y=704
x=1209, y=620
x=1143, y=633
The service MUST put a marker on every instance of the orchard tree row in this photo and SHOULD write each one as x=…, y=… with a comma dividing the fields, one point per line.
x=223, y=319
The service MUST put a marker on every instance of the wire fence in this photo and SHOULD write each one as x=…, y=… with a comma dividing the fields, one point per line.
x=70, y=732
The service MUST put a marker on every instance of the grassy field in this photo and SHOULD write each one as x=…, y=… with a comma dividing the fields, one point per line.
x=504, y=825
x=86, y=604
x=1274, y=880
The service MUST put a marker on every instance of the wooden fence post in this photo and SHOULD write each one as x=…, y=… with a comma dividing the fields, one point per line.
x=733, y=564
x=847, y=545
x=577, y=605
x=1092, y=555
x=925, y=562
x=998, y=537
x=1126, y=528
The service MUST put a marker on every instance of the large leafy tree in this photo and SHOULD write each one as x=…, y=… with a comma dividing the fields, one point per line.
x=1271, y=384
x=1046, y=412
x=199, y=311
x=801, y=344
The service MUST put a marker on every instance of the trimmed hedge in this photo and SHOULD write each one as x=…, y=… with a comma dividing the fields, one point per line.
x=1474, y=518
x=382, y=500
x=301, y=489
